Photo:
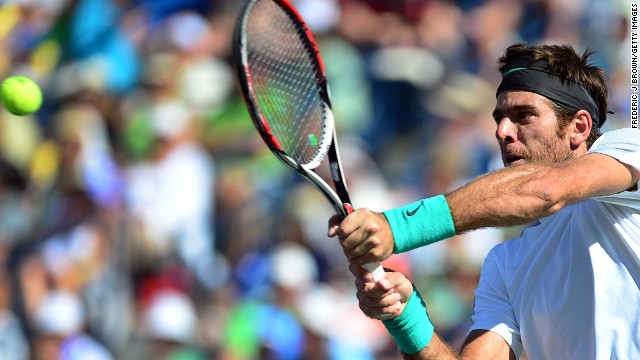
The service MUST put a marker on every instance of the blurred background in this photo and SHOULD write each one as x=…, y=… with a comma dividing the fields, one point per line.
x=142, y=217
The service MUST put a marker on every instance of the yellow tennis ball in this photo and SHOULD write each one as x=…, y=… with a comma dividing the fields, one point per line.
x=21, y=95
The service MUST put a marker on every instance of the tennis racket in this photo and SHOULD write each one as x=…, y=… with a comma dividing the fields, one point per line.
x=284, y=84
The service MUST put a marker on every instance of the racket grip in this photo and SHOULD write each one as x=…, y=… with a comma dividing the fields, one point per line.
x=376, y=270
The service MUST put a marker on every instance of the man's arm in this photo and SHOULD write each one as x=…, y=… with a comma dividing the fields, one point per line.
x=479, y=345
x=519, y=194
x=511, y=196
x=387, y=300
x=437, y=349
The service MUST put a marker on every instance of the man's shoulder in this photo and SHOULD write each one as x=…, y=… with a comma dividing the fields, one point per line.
x=626, y=136
x=626, y=132
x=621, y=144
x=507, y=246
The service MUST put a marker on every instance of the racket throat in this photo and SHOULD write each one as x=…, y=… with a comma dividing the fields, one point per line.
x=336, y=173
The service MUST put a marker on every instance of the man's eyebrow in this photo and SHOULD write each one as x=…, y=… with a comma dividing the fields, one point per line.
x=499, y=111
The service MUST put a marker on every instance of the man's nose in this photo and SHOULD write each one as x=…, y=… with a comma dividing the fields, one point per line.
x=506, y=131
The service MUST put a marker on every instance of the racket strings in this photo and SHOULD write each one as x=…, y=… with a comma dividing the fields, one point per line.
x=285, y=81
x=289, y=83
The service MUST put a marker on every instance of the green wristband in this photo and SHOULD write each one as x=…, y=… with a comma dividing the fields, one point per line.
x=412, y=330
x=420, y=223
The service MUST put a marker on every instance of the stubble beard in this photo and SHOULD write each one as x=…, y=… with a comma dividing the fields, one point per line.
x=557, y=150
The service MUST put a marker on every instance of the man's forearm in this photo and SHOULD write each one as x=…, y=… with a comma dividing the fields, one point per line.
x=507, y=197
x=436, y=350
x=520, y=194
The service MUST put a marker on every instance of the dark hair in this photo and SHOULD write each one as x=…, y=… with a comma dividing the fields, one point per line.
x=564, y=62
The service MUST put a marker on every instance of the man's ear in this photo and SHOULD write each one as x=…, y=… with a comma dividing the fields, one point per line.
x=580, y=128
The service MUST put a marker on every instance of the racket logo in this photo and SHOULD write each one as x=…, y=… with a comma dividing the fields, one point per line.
x=414, y=211
x=312, y=139
x=335, y=172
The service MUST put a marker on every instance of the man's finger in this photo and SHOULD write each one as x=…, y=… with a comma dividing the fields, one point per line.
x=389, y=299
x=383, y=313
x=360, y=246
x=334, y=224
x=372, y=255
x=374, y=291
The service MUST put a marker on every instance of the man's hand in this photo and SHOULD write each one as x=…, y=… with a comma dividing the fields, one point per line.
x=365, y=236
x=383, y=300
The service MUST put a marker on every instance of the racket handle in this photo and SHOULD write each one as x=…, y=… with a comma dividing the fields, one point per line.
x=376, y=270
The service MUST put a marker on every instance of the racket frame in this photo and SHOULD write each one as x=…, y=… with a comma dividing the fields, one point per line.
x=339, y=198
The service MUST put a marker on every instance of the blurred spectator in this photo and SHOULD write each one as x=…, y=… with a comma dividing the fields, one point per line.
x=13, y=341
x=171, y=196
x=167, y=329
x=59, y=323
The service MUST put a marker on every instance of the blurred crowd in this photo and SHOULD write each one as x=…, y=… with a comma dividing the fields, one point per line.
x=142, y=217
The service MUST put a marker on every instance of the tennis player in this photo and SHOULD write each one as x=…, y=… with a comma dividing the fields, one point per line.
x=568, y=287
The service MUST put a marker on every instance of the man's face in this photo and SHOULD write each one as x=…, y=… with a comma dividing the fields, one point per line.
x=527, y=129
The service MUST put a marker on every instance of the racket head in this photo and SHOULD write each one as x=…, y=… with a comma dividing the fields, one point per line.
x=283, y=82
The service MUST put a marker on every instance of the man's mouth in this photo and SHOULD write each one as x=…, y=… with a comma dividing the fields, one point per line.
x=512, y=159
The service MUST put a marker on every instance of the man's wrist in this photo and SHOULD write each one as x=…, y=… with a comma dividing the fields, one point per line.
x=420, y=223
x=412, y=330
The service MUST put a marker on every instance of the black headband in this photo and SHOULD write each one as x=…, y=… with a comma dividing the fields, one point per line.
x=524, y=74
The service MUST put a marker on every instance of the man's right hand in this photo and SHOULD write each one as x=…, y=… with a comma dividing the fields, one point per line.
x=385, y=299
x=365, y=236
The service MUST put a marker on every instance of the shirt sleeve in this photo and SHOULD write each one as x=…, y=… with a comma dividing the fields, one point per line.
x=492, y=309
x=624, y=146
x=621, y=144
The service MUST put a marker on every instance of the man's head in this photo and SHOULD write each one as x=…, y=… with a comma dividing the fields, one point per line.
x=550, y=105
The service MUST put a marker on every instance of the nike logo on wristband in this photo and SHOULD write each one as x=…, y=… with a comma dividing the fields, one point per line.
x=413, y=212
